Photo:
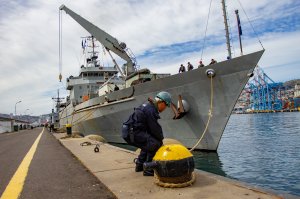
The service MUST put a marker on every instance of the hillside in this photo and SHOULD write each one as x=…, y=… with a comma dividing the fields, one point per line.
x=292, y=83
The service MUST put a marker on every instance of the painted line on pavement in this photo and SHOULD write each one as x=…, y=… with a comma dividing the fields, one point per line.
x=15, y=186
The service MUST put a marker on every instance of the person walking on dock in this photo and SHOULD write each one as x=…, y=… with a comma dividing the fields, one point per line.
x=143, y=130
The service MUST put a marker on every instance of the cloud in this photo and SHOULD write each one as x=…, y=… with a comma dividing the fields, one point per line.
x=162, y=34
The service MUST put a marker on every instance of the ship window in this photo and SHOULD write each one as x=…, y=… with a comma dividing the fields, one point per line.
x=105, y=75
x=79, y=87
x=88, y=86
x=84, y=75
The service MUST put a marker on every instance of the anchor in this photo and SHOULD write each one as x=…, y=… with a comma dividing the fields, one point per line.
x=180, y=111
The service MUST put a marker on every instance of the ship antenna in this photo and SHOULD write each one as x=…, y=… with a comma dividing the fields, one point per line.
x=93, y=45
x=226, y=29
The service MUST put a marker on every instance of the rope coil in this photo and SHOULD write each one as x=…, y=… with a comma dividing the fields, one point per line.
x=175, y=185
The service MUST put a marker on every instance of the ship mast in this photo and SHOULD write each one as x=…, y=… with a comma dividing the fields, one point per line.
x=58, y=101
x=226, y=29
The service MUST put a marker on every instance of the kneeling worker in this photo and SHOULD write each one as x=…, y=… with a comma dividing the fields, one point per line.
x=143, y=130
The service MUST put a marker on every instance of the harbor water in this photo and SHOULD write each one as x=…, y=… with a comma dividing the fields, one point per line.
x=259, y=149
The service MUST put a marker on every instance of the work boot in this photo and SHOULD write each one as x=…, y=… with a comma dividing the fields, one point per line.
x=148, y=173
x=138, y=165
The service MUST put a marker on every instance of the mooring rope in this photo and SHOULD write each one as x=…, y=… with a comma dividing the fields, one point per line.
x=193, y=176
x=209, y=113
x=60, y=44
x=85, y=116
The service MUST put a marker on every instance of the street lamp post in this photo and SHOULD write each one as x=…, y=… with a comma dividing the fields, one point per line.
x=26, y=117
x=16, y=107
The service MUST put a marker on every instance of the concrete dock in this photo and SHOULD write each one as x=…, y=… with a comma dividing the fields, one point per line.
x=114, y=167
x=69, y=170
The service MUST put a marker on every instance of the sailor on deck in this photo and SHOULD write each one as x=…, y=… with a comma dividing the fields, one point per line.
x=116, y=88
x=190, y=66
x=212, y=62
x=200, y=64
x=181, y=68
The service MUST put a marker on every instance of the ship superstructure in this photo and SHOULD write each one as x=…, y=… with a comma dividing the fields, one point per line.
x=92, y=75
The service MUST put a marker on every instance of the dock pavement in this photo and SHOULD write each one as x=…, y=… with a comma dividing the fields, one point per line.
x=53, y=172
x=38, y=164
x=114, y=167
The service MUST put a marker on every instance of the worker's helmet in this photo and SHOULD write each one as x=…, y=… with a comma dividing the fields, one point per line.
x=165, y=96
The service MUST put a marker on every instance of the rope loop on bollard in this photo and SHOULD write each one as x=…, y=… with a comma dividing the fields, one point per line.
x=96, y=149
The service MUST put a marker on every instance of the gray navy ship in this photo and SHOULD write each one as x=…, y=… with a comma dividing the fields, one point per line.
x=101, y=98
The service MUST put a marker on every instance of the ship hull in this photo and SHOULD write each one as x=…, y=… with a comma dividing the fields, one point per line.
x=104, y=115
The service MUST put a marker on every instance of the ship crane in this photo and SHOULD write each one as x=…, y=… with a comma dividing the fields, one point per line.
x=109, y=42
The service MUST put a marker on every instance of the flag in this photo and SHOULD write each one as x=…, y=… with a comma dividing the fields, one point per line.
x=83, y=44
x=239, y=25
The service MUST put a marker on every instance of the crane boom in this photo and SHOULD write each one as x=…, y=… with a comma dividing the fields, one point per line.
x=108, y=41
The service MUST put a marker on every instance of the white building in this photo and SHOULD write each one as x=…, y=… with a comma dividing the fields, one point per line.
x=6, y=125
x=297, y=91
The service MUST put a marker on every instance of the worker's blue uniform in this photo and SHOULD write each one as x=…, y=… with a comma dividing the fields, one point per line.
x=147, y=132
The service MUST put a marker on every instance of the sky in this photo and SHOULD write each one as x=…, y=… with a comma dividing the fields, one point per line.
x=162, y=34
